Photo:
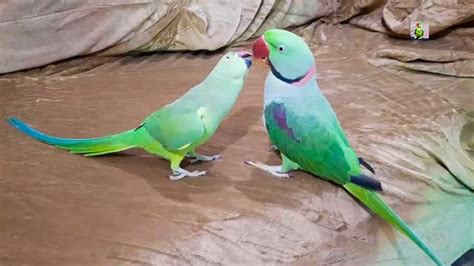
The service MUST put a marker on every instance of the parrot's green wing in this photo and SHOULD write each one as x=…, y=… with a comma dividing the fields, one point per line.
x=175, y=129
x=321, y=149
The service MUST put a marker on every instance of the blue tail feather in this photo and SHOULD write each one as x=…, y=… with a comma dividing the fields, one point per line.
x=40, y=136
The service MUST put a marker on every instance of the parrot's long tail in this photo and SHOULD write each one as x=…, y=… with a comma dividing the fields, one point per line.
x=88, y=147
x=372, y=200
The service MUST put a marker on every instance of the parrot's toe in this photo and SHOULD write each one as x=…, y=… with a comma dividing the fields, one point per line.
x=215, y=157
x=273, y=170
x=198, y=173
x=204, y=158
x=181, y=173
x=273, y=148
x=176, y=177
x=281, y=175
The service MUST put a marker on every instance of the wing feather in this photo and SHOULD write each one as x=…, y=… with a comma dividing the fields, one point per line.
x=312, y=141
x=175, y=130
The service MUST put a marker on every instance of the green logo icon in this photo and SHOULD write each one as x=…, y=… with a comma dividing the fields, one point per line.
x=419, y=30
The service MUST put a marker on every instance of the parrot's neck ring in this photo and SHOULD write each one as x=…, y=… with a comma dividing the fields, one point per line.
x=296, y=81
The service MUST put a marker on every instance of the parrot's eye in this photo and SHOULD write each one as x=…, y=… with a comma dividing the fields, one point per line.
x=228, y=57
x=281, y=48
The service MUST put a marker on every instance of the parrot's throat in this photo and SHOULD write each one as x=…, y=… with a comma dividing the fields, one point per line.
x=301, y=80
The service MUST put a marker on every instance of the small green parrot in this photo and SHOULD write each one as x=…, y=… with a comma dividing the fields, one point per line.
x=177, y=129
x=419, y=32
x=302, y=124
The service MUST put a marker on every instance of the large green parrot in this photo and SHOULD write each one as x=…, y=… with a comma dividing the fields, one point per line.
x=302, y=124
x=177, y=129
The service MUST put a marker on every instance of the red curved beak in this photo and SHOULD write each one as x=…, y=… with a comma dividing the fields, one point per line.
x=260, y=48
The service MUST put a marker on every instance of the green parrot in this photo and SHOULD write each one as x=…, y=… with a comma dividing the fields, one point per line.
x=177, y=129
x=302, y=124
x=419, y=32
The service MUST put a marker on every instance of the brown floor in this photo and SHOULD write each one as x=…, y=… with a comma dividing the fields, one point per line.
x=62, y=209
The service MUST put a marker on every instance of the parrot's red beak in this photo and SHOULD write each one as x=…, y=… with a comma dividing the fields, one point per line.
x=260, y=48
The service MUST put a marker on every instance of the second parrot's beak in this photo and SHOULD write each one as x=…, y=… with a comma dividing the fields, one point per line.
x=260, y=49
x=247, y=58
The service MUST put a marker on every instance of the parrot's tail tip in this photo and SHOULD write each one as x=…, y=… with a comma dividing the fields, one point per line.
x=13, y=121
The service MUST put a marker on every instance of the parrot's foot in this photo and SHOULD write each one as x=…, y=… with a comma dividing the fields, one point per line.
x=273, y=148
x=202, y=158
x=181, y=173
x=273, y=170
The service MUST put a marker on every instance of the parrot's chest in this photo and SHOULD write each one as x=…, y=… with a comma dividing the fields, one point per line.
x=287, y=107
x=275, y=88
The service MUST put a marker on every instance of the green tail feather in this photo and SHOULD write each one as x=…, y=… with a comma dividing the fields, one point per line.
x=372, y=200
x=105, y=145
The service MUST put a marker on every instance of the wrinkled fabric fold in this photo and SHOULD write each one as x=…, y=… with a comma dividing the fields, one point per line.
x=34, y=34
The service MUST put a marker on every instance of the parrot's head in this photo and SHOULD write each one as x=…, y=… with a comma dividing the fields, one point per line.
x=287, y=54
x=235, y=64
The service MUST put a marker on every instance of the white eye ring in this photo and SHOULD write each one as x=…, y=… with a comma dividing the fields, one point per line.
x=281, y=48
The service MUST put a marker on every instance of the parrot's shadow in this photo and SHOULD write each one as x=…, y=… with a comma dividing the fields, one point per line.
x=267, y=189
x=291, y=192
x=232, y=129
x=155, y=170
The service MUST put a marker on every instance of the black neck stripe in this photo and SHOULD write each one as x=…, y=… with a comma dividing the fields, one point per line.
x=280, y=76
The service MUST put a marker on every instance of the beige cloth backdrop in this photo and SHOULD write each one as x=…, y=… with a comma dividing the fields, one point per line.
x=35, y=33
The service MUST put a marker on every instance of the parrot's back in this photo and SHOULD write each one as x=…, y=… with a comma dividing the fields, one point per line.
x=211, y=100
